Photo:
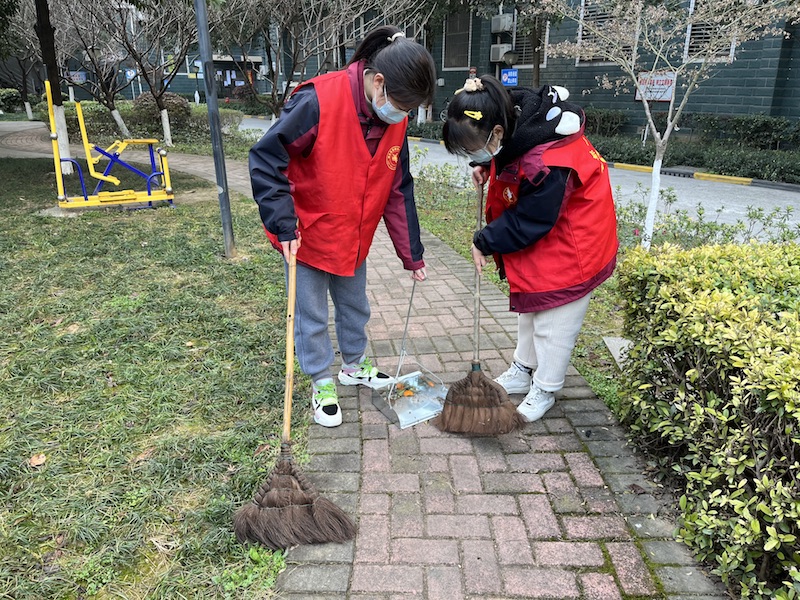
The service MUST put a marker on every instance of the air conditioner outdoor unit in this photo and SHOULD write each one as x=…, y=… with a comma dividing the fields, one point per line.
x=497, y=51
x=501, y=23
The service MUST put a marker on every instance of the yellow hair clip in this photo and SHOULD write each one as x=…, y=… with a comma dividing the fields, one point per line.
x=474, y=114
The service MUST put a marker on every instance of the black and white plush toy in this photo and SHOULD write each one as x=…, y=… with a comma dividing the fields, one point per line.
x=544, y=115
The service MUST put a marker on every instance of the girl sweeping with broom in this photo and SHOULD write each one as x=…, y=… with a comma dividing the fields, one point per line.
x=324, y=175
x=551, y=225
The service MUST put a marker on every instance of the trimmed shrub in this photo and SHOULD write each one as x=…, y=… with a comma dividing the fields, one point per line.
x=711, y=389
x=10, y=99
x=604, y=121
x=430, y=131
x=146, y=111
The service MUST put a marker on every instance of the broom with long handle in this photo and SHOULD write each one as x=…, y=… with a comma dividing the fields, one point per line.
x=476, y=405
x=287, y=511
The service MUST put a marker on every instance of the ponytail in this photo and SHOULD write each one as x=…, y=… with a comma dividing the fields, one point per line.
x=407, y=66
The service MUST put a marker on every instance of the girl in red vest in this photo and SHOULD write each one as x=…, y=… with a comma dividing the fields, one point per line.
x=551, y=225
x=334, y=164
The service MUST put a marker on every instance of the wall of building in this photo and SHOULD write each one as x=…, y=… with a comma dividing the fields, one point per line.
x=760, y=80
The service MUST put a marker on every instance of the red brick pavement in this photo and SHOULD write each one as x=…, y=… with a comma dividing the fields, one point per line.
x=547, y=512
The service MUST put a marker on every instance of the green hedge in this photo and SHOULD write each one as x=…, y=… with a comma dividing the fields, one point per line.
x=711, y=389
x=723, y=159
x=189, y=123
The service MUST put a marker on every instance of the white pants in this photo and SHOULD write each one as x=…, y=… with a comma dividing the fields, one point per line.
x=546, y=339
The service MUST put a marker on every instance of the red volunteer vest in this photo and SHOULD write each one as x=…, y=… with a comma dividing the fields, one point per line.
x=340, y=190
x=579, y=252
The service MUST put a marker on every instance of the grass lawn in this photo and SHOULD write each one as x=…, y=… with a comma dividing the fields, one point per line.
x=139, y=370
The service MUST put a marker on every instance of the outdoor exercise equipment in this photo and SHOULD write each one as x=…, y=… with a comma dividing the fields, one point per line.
x=157, y=182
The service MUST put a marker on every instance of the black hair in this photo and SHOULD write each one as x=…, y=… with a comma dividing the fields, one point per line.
x=471, y=116
x=407, y=66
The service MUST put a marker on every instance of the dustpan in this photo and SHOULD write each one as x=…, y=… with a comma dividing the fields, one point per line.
x=414, y=397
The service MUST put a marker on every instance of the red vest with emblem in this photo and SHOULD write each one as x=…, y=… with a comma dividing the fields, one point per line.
x=340, y=190
x=579, y=252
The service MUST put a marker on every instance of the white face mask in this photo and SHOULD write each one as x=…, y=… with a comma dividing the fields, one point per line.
x=483, y=155
x=388, y=113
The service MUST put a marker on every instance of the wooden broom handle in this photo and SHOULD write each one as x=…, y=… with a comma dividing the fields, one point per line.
x=289, y=385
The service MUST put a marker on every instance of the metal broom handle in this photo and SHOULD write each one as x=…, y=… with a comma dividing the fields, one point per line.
x=403, y=344
x=477, y=307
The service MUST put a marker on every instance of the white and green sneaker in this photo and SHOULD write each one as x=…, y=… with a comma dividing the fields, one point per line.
x=364, y=373
x=325, y=403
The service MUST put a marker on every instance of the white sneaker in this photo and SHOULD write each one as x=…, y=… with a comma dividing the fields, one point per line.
x=325, y=403
x=364, y=374
x=515, y=380
x=536, y=403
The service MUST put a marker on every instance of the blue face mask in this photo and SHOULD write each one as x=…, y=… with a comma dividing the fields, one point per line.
x=483, y=155
x=388, y=113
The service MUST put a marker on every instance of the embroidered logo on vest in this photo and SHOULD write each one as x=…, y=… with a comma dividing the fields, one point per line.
x=508, y=196
x=392, y=157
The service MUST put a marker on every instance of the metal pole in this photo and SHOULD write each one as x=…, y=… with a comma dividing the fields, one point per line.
x=201, y=15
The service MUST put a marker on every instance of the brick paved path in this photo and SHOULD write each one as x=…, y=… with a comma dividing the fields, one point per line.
x=558, y=510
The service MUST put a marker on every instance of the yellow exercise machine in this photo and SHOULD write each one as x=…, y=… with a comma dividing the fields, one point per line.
x=158, y=183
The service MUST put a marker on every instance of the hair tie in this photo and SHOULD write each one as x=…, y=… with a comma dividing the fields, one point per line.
x=473, y=85
x=395, y=36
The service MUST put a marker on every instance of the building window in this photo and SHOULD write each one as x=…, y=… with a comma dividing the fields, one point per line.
x=524, y=47
x=593, y=18
x=457, y=37
x=701, y=43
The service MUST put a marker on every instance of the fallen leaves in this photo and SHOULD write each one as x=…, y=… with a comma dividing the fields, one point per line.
x=37, y=460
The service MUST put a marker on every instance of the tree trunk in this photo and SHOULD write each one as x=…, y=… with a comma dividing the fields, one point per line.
x=165, y=126
x=655, y=189
x=28, y=110
x=46, y=34
x=120, y=123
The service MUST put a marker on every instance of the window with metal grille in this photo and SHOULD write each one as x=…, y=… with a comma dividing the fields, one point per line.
x=457, y=33
x=700, y=39
x=593, y=18
x=524, y=47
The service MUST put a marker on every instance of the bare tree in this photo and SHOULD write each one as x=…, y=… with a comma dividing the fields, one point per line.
x=157, y=36
x=98, y=53
x=684, y=43
x=293, y=34
x=23, y=49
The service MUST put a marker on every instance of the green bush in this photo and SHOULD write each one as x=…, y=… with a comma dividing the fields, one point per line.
x=146, y=111
x=604, y=121
x=10, y=99
x=753, y=131
x=711, y=389
x=620, y=149
x=430, y=131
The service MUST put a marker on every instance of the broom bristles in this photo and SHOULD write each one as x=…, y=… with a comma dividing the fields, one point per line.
x=287, y=511
x=476, y=405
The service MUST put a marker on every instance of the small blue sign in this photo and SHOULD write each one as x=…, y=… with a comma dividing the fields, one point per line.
x=509, y=77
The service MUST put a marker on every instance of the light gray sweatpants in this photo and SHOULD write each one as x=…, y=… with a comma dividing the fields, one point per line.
x=546, y=339
x=313, y=343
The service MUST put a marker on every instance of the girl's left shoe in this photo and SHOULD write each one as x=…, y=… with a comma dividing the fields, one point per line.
x=536, y=403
